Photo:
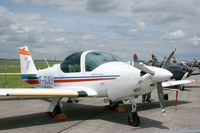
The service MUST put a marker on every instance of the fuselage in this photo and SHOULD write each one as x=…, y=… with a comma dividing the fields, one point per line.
x=179, y=70
x=100, y=71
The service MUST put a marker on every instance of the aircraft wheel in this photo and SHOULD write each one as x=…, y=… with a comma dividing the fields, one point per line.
x=57, y=110
x=166, y=97
x=133, y=119
x=182, y=87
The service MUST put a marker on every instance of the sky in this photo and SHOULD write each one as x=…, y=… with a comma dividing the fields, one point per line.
x=56, y=28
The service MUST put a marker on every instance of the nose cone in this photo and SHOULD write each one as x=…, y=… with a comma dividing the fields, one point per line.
x=167, y=74
x=162, y=74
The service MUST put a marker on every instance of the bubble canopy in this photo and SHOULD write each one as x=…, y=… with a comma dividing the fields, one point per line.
x=90, y=60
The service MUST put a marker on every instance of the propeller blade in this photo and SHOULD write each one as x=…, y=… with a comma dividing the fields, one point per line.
x=191, y=67
x=161, y=96
x=168, y=58
x=195, y=61
x=185, y=76
x=141, y=67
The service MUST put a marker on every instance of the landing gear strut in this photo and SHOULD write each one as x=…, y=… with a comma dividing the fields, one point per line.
x=181, y=87
x=55, y=107
x=133, y=118
x=57, y=110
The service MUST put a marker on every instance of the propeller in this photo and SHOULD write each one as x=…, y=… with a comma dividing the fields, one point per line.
x=189, y=70
x=168, y=58
x=159, y=84
x=161, y=96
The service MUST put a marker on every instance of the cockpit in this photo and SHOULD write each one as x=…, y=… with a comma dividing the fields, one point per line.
x=88, y=60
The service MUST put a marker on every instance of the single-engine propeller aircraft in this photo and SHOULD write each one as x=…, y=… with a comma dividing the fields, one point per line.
x=92, y=74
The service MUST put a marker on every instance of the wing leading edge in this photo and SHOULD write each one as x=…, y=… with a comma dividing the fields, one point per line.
x=54, y=92
x=176, y=82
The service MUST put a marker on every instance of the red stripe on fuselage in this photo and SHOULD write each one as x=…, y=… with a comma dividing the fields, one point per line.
x=81, y=80
x=31, y=81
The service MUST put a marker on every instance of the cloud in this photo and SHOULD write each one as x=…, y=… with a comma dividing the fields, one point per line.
x=178, y=34
x=19, y=29
x=141, y=27
x=195, y=40
x=156, y=11
x=87, y=25
x=63, y=5
x=134, y=30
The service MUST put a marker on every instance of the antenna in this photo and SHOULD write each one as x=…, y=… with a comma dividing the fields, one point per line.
x=46, y=62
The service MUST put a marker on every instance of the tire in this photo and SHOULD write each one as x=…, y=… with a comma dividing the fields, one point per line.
x=133, y=119
x=166, y=97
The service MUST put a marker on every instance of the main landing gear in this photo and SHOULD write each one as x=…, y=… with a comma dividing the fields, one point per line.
x=113, y=105
x=55, y=106
x=57, y=110
x=133, y=118
x=181, y=87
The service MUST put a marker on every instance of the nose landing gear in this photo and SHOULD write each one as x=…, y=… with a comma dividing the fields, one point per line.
x=133, y=118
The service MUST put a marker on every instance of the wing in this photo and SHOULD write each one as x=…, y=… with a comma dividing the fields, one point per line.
x=176, y=82
x=53, y=92
x=195, y=74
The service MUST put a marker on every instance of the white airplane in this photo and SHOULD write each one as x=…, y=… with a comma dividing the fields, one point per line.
x=92, y=74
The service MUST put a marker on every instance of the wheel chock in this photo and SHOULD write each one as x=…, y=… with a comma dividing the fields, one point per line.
x=120, y=109
x=48, y=114
x=61, y=117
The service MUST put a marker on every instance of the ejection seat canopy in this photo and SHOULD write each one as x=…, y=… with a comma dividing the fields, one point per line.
x=93, y=59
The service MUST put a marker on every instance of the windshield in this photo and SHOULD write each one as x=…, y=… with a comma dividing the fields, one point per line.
x=71, y=63
x=95, y=59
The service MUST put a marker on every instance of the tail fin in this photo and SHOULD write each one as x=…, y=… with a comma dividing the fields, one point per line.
x=26, y=61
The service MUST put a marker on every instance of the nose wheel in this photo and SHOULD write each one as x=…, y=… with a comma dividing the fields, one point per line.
x=133, y=118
